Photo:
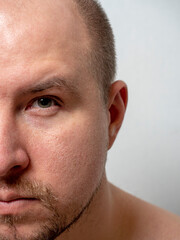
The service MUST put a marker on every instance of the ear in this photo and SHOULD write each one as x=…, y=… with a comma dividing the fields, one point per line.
x=118, y=97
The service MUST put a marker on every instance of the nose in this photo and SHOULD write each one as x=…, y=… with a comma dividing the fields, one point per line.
x=13, y=156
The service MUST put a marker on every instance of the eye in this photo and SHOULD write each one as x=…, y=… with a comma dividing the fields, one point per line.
x=43, y=102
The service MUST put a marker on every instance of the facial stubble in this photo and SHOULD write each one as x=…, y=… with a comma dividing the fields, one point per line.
x=55, y=224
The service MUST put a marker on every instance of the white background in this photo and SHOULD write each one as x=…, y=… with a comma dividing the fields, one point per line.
x=145, y=159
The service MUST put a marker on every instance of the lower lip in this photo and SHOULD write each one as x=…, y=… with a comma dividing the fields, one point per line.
x=16, y=206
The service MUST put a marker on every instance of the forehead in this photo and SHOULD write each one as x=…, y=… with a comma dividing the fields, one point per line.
x=38, y=33
x=41, y=19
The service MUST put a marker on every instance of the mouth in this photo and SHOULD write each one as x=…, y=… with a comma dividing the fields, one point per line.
x=15, y=204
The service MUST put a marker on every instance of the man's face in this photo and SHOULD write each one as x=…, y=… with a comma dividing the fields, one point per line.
x=53, y=127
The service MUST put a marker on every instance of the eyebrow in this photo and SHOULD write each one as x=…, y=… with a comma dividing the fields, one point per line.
x=52, y=82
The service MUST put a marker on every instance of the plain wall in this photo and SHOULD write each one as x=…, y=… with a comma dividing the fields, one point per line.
x=145, y=159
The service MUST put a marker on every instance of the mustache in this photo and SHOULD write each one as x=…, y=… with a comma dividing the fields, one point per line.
x=34, y=190
x=30, y=189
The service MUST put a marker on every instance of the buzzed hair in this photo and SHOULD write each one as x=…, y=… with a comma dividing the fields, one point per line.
x=102, y=54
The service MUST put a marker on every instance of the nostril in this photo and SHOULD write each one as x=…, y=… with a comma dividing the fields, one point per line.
x=14, y=172
x=13, y=162
x=17, y=167
x=11, y=176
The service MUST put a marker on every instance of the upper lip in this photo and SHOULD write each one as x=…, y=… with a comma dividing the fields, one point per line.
x=11, y=196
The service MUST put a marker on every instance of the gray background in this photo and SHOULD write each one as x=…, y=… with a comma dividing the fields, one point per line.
x=145, y=158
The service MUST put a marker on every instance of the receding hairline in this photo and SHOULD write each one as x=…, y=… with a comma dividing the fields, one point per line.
x=98, y=57
x=101, y=56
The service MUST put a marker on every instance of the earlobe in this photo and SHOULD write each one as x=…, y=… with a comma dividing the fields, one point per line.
x=117, y=104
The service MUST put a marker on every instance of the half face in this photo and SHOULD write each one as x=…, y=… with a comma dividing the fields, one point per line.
x=53, y=126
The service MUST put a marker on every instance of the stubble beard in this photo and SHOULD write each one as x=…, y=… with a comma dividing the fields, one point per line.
x=55, y=223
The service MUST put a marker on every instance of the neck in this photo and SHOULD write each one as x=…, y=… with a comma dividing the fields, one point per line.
x=97, y=221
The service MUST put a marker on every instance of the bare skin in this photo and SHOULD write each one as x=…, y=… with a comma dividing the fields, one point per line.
x=55, y=131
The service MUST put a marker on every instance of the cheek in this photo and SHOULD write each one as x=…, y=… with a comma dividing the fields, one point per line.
x=71, y=157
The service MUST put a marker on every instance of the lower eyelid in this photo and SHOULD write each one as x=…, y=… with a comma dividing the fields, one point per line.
x=46, y=112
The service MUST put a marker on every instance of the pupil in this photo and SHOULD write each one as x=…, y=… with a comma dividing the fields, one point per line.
x=45, y=102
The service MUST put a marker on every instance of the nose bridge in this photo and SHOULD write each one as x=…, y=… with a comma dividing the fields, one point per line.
x=7, y=132
x=11, y=153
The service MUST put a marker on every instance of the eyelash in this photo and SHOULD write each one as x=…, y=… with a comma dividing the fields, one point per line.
x=56, y=100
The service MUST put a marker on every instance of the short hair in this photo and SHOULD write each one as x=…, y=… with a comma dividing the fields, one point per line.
x=102, y=54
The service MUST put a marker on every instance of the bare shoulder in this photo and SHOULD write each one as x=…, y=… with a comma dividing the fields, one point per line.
x=142, y=220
